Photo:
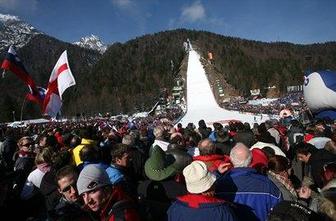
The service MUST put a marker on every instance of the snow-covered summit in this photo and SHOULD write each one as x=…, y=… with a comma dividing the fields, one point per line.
x=6, y=18
x=92, y=42
x=14, y=31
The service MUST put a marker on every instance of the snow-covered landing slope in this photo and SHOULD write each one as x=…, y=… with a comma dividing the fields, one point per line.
x=201, y=103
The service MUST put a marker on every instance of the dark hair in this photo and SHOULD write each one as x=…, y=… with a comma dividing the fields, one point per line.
x=266, y=137
x=278, y=164
x=305, y=148
x=67, y=138
x=217, y=126
x=193, y=138
x=177, y=140
x=247, y=126
x=118, y=151
x=9, y=132
x=201, y=124
x=51, y=141
x=191, y=126
x=66, y=171
x=87, y=132
x=89, y=153
x=60, y=159
x=269, y=151
x=262, y=128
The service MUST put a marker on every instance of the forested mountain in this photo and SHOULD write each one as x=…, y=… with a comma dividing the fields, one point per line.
x=128, y=77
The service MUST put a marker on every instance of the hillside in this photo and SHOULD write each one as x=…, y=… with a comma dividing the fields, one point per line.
x=129, y=77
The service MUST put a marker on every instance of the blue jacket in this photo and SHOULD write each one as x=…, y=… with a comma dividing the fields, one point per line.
x=199, y=208
x=253, y=193
x=213, y=136
x=114, y=174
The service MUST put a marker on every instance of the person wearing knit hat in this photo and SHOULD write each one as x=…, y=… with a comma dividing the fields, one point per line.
x=109, y=202
x=200, y=203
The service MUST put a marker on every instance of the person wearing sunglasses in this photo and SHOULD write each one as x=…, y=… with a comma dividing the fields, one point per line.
x=24, y=162
x=70, y=206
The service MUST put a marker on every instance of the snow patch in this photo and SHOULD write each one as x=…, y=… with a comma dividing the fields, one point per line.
x=92, y=42
x=201, y=103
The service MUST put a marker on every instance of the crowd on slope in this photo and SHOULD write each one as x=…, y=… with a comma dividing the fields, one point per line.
x=153, y=170
x=293, y=101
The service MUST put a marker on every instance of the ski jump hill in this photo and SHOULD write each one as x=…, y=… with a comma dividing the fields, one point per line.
x=201, y=103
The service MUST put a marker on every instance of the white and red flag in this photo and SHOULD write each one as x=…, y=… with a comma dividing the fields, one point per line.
x=60, y=79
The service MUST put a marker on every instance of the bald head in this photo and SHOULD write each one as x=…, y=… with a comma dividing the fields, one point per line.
x=240, y=155
x=206, y=147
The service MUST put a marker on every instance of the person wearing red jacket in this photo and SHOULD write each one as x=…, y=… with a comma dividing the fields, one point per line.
x=208, y=155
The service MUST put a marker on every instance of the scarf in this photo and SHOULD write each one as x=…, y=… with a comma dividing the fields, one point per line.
x=284, y=181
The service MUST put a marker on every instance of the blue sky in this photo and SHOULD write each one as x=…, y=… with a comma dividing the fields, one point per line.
x=296, y=21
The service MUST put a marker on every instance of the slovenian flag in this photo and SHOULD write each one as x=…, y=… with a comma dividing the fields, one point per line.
x=13, y=63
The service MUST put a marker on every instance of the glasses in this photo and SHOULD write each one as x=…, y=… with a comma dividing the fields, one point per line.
x=68, y=188
x=27, y=144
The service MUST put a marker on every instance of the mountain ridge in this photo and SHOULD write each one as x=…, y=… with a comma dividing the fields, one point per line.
x=129, y=77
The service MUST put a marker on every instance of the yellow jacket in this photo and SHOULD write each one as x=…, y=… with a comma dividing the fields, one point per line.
x=75, y=152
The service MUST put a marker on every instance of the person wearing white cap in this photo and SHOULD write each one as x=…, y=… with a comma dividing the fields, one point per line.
x=200, y=203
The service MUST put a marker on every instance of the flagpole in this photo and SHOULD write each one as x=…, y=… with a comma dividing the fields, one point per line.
x=23, y=104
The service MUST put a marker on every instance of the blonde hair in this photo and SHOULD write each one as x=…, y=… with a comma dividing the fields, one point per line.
x=44, y=156
x=20, y=142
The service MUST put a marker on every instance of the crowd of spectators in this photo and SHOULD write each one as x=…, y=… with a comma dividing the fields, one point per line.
x=293, y=101
x=150, y=169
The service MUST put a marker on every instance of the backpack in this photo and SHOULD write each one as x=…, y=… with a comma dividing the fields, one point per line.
x=118, y=209
x=154, y=207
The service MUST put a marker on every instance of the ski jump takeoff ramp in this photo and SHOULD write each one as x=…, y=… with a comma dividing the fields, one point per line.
x=201, y=103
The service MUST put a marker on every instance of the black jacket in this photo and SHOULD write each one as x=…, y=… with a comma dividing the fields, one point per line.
x=316, y=162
